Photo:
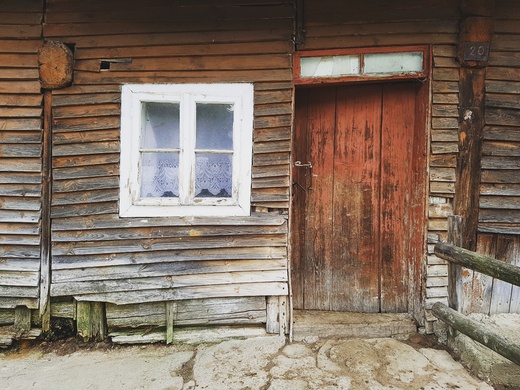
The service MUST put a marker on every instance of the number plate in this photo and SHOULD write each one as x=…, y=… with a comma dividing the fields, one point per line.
x=476, y=51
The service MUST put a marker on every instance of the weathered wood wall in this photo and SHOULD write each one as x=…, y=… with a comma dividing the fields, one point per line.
x=335, y=24
x=20, y=153
x=499, y=215
x=98, y=256
x=500, y=186
x=484, y=294
x=443, y=161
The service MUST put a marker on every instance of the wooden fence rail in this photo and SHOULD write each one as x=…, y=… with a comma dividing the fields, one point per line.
x=471, y=328
x=501, y=345
x=477, y=262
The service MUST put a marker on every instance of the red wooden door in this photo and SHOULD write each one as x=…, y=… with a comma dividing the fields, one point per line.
x=356, y=227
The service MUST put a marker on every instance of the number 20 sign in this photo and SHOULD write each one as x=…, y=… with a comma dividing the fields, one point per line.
x=476, y=51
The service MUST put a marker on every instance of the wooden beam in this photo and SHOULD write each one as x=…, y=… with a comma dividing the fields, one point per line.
x=299, y=22
x=45, y=254
x=56, y=65
x=478, y=332
x=473, y=52
x=487, y=265
x=468, y=172
x=189, y=335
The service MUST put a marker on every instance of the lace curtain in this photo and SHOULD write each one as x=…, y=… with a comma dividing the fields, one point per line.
x=213, y=175
x=160, y=175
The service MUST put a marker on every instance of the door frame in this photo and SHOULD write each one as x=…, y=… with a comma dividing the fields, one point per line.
x=421, y=153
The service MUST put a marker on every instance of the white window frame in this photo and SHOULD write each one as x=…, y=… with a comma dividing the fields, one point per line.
x=239, y=95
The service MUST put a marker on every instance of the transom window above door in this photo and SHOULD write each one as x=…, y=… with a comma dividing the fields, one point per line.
x=337, y=66
x=186, y=149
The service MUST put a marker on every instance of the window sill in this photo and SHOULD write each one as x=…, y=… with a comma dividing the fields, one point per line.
x=184, y=211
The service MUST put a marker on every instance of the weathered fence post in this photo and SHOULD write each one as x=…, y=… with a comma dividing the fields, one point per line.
x=455, y=270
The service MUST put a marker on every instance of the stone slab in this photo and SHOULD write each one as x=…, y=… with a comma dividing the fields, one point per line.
x=350, y=325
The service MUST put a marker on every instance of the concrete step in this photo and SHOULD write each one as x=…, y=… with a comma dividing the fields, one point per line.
x=327, y=324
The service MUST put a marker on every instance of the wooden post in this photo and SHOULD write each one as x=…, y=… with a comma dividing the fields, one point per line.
x=273, y=318
x=55, y=69
x=171, y=318
x=83, y=320
x=97, y=321
x=22, y=319
x=90, y=321
x=45, y=254
x=478, y=332
x=277, y=315
x=283, y=308
x=299, y=22
x=455, y=270
x=473, y=53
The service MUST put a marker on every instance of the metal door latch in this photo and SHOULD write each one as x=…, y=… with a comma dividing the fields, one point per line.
x=300, y=164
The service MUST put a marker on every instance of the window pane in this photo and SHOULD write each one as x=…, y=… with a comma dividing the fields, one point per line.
x=214, y=126
x=329, y=66
x=213, y=175
x=159, y=175
x=160, y=125
x=394, y=62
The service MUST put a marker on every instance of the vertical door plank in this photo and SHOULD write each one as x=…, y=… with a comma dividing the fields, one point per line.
x=299, y=188
x=356, y=199
x=396, y=152
x=417, y=225
x=318, y=232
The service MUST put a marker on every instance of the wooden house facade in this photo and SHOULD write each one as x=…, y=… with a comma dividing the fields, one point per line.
x=336, y=185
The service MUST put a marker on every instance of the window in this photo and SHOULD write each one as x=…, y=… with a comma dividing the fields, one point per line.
x=186, y=149
x=333, y=66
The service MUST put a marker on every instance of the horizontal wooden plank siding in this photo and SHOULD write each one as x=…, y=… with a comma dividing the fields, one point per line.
x=335, y=24
x=500, y=188
x=98, y=256
x=244, y=311
x=443, y=161
x=20, y=153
